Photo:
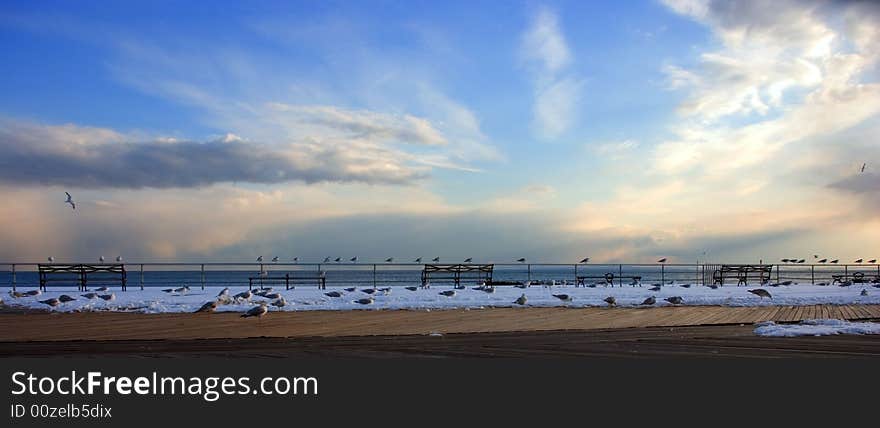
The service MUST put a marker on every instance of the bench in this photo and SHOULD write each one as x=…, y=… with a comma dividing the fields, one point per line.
x=290, y=281
x=457, y=273
x=82, y=275
x=608, y=279
x=742, y=273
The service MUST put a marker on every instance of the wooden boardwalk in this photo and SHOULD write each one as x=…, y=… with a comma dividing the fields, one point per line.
x=104, y=326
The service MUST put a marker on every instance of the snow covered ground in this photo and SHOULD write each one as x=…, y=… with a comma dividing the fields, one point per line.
x=153, y=300
x=816, y=328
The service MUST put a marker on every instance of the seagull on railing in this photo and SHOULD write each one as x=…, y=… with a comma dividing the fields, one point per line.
x=858, y=261
x=70, y=201
x=784, y=260
x=835, y=261
x=872, y=261
x=436, y=260
x=467, y=260
x=295, y=259
x=101, y=259
x=417, y=260
x=260, y=259
x=338, y=259
x=801, y=261
x=275, y=259
x=521, y=259
x=326, y=259
x=389, y=260
x=585, y=260
x=823, y=261
x=51, y=259
x=663, y=260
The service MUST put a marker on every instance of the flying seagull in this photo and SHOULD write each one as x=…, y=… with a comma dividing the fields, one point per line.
x=761, y=292
x=663, y=260
x=585, y=260
x=70, y=200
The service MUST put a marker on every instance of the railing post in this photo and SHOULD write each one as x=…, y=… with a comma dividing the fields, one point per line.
x=203, y=276
x=620, y=275
x=142, y=277
x=374, y=275
x=845, y=273
x=813, y=274
x=662, y=274
x=13, y=277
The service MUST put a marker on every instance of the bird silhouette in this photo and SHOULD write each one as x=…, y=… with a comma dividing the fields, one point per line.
x=436, y=259
x=467, y=260
x=858, y=261
x=353, y=259
x=275, y=259
x=51, y=259
x=863, y=167
x=411, y=288
x=784, y=260
x=801, y=261
x=835, y=261
x=872, y=261
x=338, y=259
x=610, y=300
x=584, y=260
x=295, y=259
x=101, y=259
x=70, y=201
x=389, y=260
x=417, y=260
x=326, y=259
x=823, y=261
x=521, y=259
x=663, y=260
x=260, y=259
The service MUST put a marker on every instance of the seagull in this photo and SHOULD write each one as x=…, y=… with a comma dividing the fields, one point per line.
x=563, y=297
x=872, y=261
x=411, y=288
x=183, y=289
x=338, y=259
x=467, y=260
x=861, y=170
x=280, y=303
x=864, y=292
x=858, y=261
x=350, y=289
x=295, y=259
x=459, y=287
x=208, y=307
x=102, y=289
x=353, y=259
x=417, y=260
x=16, y=294
x=369, y=290
x=761, y=292
x=386, y=291
x=108, y=297
x=784, y=260
x=663, y=260
x=823, y=261
x=272, y=296
x=51, y=259
x=333, y=294
x=656, y=287
x=65, y=298
x=260, y=259
x=244, y=295
x=70, y=200
x=53, y=302
x=649, y=301
x=33, y=293
x=585, y=260
x=89, y=296
x=257, y=311
x=521, y=259
x=610, y=300
x=447, y=293
x=224, y=292
x=835, y=261
x=436, y=259
x=168, y=290
x=367, y=301
x=326, y=259
x=801, y=261
x=118, y=258
x=275, y=259
x=521, y=300
x=101, y=259
x=389, y=260
x=675, y=300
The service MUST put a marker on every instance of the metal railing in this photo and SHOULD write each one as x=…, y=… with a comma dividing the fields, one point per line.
x=223, y=274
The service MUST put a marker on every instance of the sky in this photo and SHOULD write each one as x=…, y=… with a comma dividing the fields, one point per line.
x=621, y=131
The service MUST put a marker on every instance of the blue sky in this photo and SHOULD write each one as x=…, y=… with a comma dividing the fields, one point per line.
x=604, y=128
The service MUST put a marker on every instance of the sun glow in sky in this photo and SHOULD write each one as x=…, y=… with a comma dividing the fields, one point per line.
x=624, y=131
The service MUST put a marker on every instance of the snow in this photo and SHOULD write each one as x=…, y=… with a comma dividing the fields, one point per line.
x=154, y=300
x=822, y=327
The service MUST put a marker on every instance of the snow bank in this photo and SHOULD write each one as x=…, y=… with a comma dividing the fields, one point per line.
x=824, y=327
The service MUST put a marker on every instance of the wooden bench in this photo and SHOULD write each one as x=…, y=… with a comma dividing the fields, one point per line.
x=742, y=273
x=82, y=275
x=457, y=273
x=608, y=279
x=290, y=281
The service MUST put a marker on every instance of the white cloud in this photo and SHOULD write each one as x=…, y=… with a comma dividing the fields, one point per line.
x=557, y=92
